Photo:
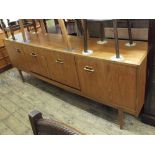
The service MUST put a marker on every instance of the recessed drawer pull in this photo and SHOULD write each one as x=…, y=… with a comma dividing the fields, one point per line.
x=18, y=50
x=88, y=69
x=59, y=61
x=33, y=54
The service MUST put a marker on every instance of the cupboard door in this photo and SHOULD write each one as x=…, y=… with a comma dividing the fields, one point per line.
x=16, y=54
x=37, y=60
x=62, y=69
x=109, y=82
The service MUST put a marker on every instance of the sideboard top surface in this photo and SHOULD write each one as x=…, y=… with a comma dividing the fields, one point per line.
x=132, y=55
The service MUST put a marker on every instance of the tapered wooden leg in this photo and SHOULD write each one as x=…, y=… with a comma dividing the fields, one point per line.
x=28, y=29
x=121, y=118
x=21, y=75
x=34, y=25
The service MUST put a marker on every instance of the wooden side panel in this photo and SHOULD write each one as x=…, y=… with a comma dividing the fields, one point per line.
x=2, y=36
x=141, y=81
x=16, y=54
x=3, y=53
x=4, y=62
x=62, y=69
x=111, y=83
x=4, y=58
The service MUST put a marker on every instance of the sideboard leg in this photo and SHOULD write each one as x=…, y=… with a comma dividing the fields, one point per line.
x=21, y=75
x=121, y=118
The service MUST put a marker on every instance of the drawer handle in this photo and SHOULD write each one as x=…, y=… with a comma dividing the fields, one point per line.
x=59, y=61
x=88, y=69
x=33, y=54
x=18, y=50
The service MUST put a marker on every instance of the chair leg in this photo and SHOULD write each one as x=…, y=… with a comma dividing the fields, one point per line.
x=28, y=29
x=121, y=118
x=12, y=34
x=116, y=39
x=45, y=24
x=21, y=75
x=34, y=25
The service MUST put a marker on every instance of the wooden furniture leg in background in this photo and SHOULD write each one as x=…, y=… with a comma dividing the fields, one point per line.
x=28, y=29
x=12, y=32
x=45, y=25
x=64, y=33
x=116, y=38
x=129, y=25
x=86, y=51
x=102, y=32
x=83, y=26
x=129, y=32
x=42, y=26
x=21, y=75
x=22, y=29
x=85, y=35
x=34, y=25
x=121, y=118
x=4, y=28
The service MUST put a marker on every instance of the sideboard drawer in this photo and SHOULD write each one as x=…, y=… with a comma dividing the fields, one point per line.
x=62, y=69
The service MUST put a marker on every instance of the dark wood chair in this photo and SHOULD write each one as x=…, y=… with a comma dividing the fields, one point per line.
x=41, y=126
x=13, y=26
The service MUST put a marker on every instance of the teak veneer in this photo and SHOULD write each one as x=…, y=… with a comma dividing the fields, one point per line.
x=119, y=84
x=4, y=58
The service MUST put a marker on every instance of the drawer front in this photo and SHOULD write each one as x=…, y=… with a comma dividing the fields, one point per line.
x=111, y=83
x=16, y=54
x=62, y=68
x=36, y=60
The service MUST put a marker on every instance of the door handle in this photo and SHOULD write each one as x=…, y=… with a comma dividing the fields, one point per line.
x=33, y=54
x=18, y=50
x=59, y=61
x=88, y=69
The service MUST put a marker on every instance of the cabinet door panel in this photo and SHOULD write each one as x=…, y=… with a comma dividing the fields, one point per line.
x=16, y=54
x=62, y=68
x=111, y=83
x=37, y=60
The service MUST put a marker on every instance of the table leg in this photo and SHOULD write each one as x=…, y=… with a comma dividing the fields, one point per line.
x=121, y=118
x=21, y=75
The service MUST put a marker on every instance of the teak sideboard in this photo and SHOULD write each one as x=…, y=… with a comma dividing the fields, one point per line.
x=119, y=84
